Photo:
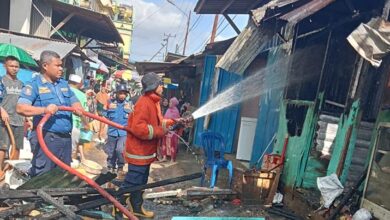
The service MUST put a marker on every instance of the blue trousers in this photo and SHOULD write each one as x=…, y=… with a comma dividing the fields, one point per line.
x=114, y=150
x=135, y=176
x=59, y=144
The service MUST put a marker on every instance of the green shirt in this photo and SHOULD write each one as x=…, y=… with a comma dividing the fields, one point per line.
x=83, y=101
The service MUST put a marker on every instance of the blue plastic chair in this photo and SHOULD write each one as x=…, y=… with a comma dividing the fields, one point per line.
x=214, y=151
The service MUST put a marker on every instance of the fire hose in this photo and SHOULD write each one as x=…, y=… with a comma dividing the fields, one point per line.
x=66, y=167
x=12, y=154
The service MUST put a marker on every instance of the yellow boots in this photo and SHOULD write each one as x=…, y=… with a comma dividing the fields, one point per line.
x=137, y=211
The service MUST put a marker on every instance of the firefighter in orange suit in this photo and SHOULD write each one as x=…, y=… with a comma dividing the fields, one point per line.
x=145, y=129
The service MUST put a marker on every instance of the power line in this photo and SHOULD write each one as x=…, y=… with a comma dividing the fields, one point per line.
x=146, y=18
x=172, y=3
x=157, y=52
x=219, y=32
x=226, y=26
x=208, y=38
x=194, y=25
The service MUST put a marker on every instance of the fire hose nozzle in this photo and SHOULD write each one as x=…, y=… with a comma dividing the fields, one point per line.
x=181, y=122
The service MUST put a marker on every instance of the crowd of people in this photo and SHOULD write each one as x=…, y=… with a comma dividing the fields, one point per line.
x=147, y=120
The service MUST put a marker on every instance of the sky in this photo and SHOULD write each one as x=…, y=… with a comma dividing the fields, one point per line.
x=154, y=18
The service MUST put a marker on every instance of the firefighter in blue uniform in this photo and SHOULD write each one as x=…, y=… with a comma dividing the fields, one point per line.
x=117, y=111
x=42, y=95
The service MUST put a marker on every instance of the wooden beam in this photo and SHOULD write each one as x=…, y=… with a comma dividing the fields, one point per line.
x=59, y=192
x=50, y=200
x=61, y=24
x=121, y=192
x=88, y=42
x=227, y=6
x=231, y=22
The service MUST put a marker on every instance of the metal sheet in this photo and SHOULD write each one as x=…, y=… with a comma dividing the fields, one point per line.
x=224, y=121
x=160, y=67
x=40, y=26
x=228, y=7
x=306, y=10
x=34, y=46
x=268, y=116
x=205, y=91
x=372, y=40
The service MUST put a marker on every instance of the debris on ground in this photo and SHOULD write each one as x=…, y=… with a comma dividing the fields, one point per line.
x=284, y=213
x=73, y=199
x=362, y=214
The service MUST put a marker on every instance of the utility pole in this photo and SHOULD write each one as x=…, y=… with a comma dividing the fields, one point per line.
x=177, y=49
x=166, y=40
x=186, y=37
x=214, y=31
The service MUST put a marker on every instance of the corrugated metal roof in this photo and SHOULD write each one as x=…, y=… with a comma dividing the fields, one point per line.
x=86, y=22
x=228, y=7
x=35, y=45
x=159, y=67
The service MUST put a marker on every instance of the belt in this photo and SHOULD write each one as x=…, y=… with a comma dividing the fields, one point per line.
x=141, y=157
x=62, y=135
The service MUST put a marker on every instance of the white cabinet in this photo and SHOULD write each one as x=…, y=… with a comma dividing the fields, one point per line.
x=245, y=138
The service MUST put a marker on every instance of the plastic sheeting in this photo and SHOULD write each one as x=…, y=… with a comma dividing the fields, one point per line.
x=330, y=188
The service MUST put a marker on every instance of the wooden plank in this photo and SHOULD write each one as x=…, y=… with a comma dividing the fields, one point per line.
x=103, y=201
x=62, y=23
x=231, y=22
x=340, y=166
x=170, y=193
x=64, y=210
x=274, y=186
x=194, y=193
x=28, y=194
x=54, y=192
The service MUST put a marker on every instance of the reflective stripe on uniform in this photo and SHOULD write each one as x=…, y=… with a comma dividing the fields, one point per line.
x=139, y=157
x=151, y=132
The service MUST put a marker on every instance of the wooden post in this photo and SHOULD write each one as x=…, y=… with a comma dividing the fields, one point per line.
x=61, y=24
x=187, y=29
x=214, y=31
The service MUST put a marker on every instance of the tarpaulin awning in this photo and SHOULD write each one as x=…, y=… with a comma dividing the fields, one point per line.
x=171, y=86
x=372, y=40
x=127, y=75
x=35, y=45
x=98, y=65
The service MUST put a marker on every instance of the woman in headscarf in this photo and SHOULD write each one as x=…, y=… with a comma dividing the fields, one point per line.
x=170, y=142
